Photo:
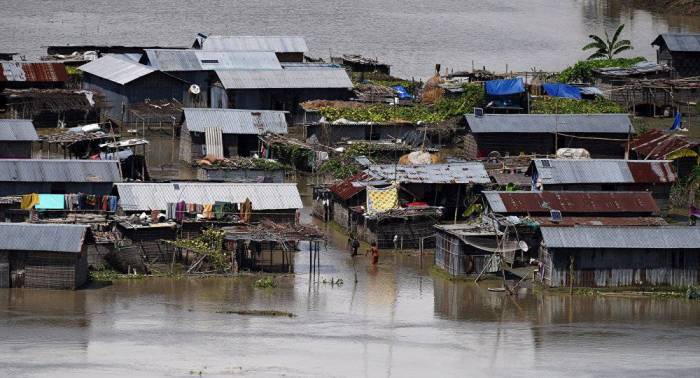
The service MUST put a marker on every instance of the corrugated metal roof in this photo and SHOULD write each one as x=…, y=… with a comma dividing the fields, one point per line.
x=297, y=77
x=118, y=70
x=550, y=123
x=279, y=44
x=132, y=57
x=517, y=179
x=42, y=237
x=53, y=170
x=264, y=196
x=454, y=173
x=236, y=121
x=682, y=42
x=196, y=60
x=600, y=221
x=602, y=171
x=657, y=144
x=345, y=189
x=622, y=237
x=18, y=130
x=33, y=72
x=523, y=202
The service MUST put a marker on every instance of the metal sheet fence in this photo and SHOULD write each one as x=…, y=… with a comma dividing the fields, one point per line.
x=451, y=257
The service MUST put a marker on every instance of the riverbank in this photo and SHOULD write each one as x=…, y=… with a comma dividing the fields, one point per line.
x=678, y=7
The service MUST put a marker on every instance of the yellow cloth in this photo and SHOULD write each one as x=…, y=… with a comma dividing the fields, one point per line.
x=29, y=201
x=246, y=210
x=208, y=211
x=380, y=200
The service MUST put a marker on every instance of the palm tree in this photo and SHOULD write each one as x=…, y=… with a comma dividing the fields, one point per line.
x=608, y=48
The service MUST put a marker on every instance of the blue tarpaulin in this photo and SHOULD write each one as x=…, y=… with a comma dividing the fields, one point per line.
x=402, y=92
x=504, y=87
x=563, y=91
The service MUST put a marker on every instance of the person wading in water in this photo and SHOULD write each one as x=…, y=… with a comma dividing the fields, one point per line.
x=354, y=245
x=374, y=251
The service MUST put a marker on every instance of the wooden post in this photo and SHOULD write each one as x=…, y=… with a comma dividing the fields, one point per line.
x=459, y=189
x=310, y=259
x=571, y=275
x=318, y=258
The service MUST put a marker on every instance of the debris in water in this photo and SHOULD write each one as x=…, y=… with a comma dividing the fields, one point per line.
x=273, y=313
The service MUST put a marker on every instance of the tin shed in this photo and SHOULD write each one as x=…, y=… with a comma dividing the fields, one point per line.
x=51, y=256
x=620, y=256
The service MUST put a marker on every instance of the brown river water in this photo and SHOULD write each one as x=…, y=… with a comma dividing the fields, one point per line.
x=411, y=35
x=398, y=320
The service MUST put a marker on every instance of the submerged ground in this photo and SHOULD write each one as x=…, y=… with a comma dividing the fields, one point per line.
x=398, y=320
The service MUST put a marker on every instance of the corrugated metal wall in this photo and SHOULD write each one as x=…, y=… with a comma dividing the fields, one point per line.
x=612, y=268
x=451, y=255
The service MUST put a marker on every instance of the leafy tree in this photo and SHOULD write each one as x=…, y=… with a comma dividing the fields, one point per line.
x=606, y=49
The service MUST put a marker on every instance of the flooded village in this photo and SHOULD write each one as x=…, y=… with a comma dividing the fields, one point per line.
x=238, y=205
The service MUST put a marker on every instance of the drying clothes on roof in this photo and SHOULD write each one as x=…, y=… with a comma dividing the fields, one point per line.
x=380, y=200
x=51, y=202
x=29, y=201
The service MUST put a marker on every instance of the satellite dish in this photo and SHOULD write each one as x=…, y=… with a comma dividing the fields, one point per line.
x=523, y=246
x=194, y=89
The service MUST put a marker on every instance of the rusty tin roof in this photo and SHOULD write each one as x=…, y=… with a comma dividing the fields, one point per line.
x=345, y=189
x=656, y=144
x=523, y=202
x=33, y=72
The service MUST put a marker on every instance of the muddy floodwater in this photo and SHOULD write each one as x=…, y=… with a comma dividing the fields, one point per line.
x=398, y=320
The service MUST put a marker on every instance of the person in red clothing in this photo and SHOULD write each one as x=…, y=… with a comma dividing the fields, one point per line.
x=374, y=251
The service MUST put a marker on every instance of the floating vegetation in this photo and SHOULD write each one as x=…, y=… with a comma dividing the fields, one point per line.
x=110, y=274
x=265, y=283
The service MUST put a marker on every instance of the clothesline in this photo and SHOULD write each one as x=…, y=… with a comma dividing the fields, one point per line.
x=70, y=202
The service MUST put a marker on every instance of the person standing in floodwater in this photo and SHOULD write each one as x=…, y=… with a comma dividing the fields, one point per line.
x=354, y=245
x=374, y=251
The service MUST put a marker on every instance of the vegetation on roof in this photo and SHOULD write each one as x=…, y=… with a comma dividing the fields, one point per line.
x=557, y=105
x=242, y=163
x=582, y=71
x=443, y=109
x=338, y=168
x=384, y=80
x=293, y=155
